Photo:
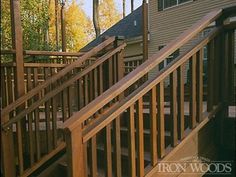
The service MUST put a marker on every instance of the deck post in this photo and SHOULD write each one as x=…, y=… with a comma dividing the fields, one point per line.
x=75, y=152
x=17, y=45
x=145, y=30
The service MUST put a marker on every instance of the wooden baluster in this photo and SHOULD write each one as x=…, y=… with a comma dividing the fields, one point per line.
x=180, y=101
x=110, y=72
x=199, y=85
x=231, y=66
x=192, y=104
x=80, y=83
x=30, y=119
x=54, y=114
x=161, y=119
x=153, y=125
x=86, y=95
x=140, y=143
x=131, y=142
x=117, y=147
x=173, y=108
x=210, y=58
x=120, y=64
x=20, y=147
x=216, y=71
x=4, y=87
x=8, y=167
x=91, y=86
x=115, y=68
x=101, y=80
x=64, y=104
x=71, y=94
x=95, y=82
x=93, y=157
x=47, y=113
x=9, y=95
x=75, y=151
x=36, y=114
x=108, y=161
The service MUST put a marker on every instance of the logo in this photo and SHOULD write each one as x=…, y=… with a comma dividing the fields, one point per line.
x=196, y=165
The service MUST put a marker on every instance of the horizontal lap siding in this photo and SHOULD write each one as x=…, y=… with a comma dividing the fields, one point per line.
x=168, y=24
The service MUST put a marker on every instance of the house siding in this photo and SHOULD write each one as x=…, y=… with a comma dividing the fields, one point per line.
x=168, y=24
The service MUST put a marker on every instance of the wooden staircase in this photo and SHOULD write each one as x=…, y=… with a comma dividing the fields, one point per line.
x=116, y=125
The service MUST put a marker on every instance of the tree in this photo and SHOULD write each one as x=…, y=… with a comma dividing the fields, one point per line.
x=108, y=14
x=78, y=27
x=95, y=17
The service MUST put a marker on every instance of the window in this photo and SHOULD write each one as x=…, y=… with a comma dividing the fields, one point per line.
x=164, y=4
x=168, y=59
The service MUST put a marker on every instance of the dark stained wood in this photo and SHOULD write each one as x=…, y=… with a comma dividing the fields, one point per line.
x=93, y=154
x=75, y=149
x=140, y=140
x=192, y=104
x=8, y=156
x=199, y=84
x=60, y=74
x=17, y=44
x=30, y=120
x=117, y=147
x=161, y=119
x=145, y=29
x=153, y=125
x=131, y=141
x=180, y=101
x=173, y=108
x=131, y=78
x=108, y=154
x=210, y=62
x=36, y=114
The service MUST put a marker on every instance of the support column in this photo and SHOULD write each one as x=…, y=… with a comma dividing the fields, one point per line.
x=145, y=30
x=17, y=45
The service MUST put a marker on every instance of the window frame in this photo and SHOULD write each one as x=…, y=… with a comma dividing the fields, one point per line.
x=162, y=3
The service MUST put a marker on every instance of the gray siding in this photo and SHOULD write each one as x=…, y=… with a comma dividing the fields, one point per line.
x=168, y=24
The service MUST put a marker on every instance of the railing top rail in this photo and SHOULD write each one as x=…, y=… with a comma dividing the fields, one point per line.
x=140, y=71
x=52, y=53
x=43, y=53
x=35, y=65
x=115, y=111
x=52, y=93
x=57, y=76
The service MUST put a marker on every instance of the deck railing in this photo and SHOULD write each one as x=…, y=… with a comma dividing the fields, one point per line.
x=122, y=121
x=31, y=131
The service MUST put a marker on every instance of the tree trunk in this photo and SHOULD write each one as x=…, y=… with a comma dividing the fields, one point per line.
x=123, y=8
x=95, y=17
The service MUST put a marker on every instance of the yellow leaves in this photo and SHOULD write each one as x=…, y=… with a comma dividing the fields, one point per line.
x=108, y=14
x=77, y=27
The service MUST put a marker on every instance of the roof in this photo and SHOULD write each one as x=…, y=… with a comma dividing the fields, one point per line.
x=128, y=27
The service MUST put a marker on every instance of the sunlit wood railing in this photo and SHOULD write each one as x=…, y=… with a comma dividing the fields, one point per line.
x=121, y=136
x=38, y=67
x=31, y=131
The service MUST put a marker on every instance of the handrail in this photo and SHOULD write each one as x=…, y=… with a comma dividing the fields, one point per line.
x=140, y=71
x=57, y=65
x=54, y=92
x=43, y=53
x=52, y=53
x=57, y=76
x=110, y=115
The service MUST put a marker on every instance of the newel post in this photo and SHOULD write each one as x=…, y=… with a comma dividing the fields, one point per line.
x=7, y=150
x=75, y=152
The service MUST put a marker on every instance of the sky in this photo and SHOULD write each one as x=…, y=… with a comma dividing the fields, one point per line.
x=87, y=6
